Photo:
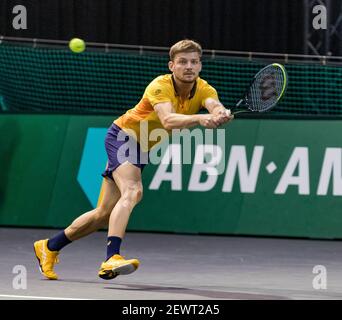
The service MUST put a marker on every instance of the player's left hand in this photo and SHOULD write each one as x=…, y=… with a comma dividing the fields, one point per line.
x=224, y=116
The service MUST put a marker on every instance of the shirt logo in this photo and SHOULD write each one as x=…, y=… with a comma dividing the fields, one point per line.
x=158, y=91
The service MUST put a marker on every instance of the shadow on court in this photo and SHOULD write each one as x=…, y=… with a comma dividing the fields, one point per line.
x=201, y=293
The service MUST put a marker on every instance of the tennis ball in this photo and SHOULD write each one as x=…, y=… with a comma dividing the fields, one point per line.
x=77, y=45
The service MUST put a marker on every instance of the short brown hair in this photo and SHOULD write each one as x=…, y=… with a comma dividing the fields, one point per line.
x=185, y=45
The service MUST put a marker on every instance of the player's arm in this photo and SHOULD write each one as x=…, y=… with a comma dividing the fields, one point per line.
x=172, y=120
x=217, y=109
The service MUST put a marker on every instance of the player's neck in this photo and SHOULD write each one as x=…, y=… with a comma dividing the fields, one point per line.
x=183, y=89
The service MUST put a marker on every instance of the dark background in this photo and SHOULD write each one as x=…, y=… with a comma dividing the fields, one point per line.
x=246, y=25
x=262, y=25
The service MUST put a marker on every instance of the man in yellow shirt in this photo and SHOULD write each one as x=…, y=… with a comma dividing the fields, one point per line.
x=170, y=101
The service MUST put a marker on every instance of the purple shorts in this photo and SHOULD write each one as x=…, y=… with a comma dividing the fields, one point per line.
x=121, y=147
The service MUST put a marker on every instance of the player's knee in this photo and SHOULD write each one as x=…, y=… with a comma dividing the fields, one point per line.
x=132, y=195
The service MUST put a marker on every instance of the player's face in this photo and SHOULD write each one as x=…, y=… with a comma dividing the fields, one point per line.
x=186, y=66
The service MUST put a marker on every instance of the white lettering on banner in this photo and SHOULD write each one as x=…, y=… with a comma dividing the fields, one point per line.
x=300, y=158
x=187, y=135
x=209, y=163
x=238, y=161
x=209, y=168
x=332, y=164
x=172, y=156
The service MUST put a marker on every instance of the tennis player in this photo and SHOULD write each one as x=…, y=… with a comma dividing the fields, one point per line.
x=170, y=101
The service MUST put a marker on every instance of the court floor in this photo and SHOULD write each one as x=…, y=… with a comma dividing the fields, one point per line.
x=175, y=267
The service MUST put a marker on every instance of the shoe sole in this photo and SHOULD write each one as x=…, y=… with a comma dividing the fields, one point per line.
x=40, y=267
x=122, y=270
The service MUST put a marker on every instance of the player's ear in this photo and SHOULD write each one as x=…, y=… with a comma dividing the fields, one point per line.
x=171, y=64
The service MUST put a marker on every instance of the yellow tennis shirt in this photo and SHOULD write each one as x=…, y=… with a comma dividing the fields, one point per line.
x=162, y=89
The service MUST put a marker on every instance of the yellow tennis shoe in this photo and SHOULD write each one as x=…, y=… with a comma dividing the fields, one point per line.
x=117, y=265
x=46, y=258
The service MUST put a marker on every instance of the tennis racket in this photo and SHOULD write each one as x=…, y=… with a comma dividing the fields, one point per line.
x=265, y=91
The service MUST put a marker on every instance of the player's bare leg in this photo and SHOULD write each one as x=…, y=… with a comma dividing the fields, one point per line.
x=89, y=222
x=97, y=218
x=128, y=180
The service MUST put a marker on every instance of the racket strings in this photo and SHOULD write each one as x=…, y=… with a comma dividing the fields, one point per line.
x=279, y=83
x=266, y=90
